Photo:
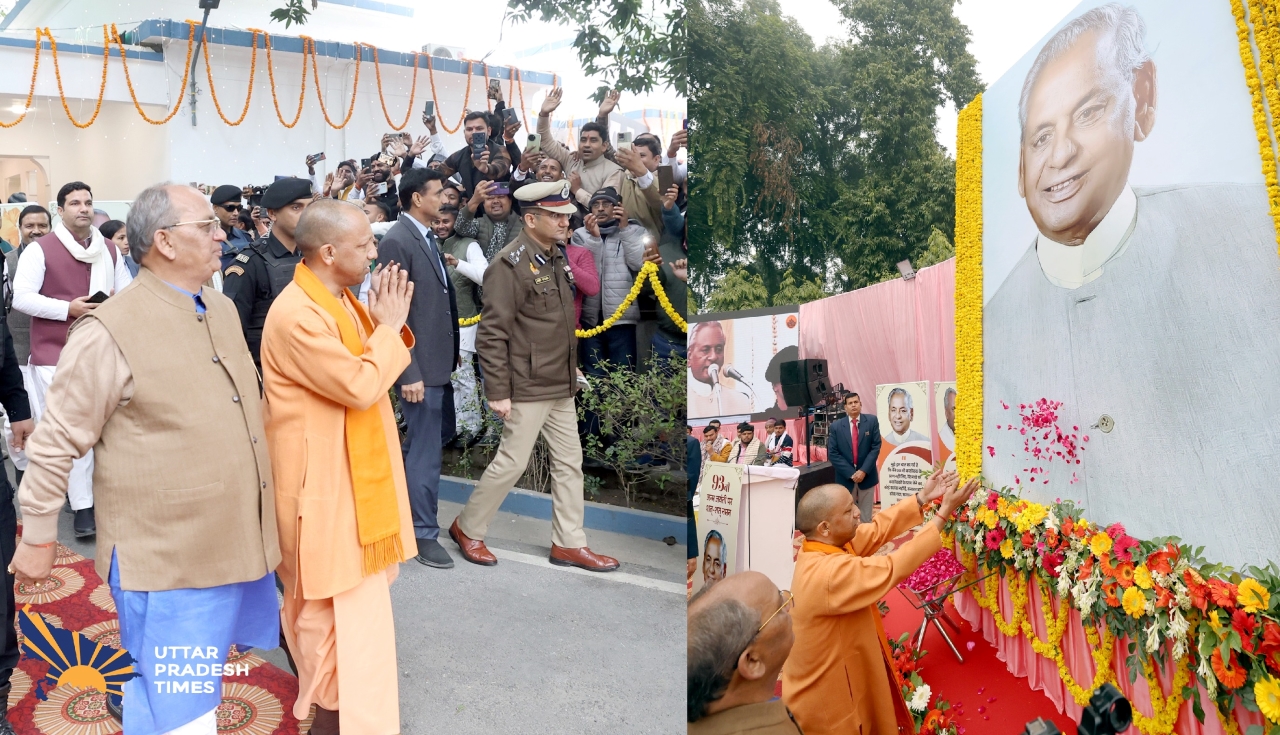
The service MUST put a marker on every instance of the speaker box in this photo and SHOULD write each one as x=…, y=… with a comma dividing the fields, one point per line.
x=802, y=371
x=814, y=475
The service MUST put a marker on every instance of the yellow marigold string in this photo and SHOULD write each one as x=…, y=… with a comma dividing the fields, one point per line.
x=650, y=273
x=31, y=92
x=271, y=76
x=102, y=88
x=186, y=71
x=315, y=75
x=1256, y=94
x=969, y=289
x=213, y=93
x=466, y=98
x=413, y=89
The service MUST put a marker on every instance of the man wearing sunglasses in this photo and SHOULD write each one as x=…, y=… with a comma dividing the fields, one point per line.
x=226, y=201
x=739, y=636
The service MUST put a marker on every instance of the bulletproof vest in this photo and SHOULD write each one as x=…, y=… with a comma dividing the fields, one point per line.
x=280, y=273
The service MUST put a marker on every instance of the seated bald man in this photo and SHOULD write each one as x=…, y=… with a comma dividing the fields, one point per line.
x=838, y=679
x=739, y=636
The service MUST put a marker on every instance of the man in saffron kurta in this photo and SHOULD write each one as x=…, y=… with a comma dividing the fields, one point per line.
x=343, y=505
x=839, y=677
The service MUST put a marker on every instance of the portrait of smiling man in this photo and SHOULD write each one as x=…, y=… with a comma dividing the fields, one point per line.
x=1140, y=308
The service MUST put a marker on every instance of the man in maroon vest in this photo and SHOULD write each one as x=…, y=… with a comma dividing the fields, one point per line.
x=61, y=277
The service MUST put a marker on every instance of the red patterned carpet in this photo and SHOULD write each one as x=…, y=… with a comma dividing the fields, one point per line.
x=76, y=599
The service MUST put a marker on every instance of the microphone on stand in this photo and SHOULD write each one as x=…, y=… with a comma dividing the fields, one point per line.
x=732, y=372
x=713, y=372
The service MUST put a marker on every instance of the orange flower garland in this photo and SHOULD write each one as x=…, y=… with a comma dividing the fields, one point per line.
x=315, y=75
x=31, y=93
x=466, y=98
x=213, y=93
x=302, y=88
x=57, y=72
x=1230, y=674
x=186, y=72
x=413, y=89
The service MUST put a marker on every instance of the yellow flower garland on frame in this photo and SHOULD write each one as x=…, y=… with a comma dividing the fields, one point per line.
x=650, y=273
x=969, y=289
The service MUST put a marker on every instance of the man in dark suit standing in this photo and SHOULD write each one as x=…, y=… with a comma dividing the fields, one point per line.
x=855, y=460
x=433, y=317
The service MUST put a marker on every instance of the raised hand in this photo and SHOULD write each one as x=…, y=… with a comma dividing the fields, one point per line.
x=419, y=146
x=592, y=225
x=390, y=294
x=429, y=121
x=679, y=140
x=669, y=198
x=937, y=484
x=609, y=102
x=551, y=102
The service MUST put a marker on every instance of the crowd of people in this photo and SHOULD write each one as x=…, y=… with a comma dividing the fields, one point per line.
x=316, y=298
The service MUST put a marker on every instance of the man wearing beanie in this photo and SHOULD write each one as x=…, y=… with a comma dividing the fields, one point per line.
x=259, y=273
x=226, y=201
x=618, y=244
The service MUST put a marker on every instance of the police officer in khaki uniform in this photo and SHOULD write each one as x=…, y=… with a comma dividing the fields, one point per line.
x=528, y=352
x=261, y=271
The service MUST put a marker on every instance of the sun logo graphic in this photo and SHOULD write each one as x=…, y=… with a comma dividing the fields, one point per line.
x=73, y=659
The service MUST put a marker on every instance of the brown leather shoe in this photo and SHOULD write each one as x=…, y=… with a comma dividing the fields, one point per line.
x=473, y=551
x=325, y=722
x=583, y=558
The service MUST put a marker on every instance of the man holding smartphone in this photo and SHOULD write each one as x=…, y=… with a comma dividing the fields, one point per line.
x=55, y=288
x=488, y=217
x=484, y=157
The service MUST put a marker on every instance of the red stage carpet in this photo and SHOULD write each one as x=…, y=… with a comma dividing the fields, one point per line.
x=992, y=701
x=76, y=599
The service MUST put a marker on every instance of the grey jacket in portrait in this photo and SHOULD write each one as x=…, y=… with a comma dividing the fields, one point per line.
x=433, y=315
x=1178, y=342
x=619, y=257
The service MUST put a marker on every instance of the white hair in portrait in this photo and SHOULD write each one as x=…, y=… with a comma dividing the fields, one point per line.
x=1121, y=52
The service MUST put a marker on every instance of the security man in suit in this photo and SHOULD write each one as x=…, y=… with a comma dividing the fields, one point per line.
x=528, y=351
x=260, y=272
x=855, y=460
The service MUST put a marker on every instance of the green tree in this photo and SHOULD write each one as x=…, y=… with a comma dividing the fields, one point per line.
x=938, y=249
x=636, y=46
x=820, y=161
x=739, y=289
x=793, y=291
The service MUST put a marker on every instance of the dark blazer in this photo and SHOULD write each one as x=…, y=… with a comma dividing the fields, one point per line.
x=433, y=314
x=840, y=450
x=693, y=469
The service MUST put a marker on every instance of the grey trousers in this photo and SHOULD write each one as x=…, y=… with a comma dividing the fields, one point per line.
x=422, y=459
x=864, y=499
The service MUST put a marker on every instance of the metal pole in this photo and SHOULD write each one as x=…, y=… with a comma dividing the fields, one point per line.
x=195, y=59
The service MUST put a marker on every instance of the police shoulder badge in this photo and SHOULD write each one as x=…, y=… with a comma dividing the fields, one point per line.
x=243, y=258
x=513, y=257
x=234, y=270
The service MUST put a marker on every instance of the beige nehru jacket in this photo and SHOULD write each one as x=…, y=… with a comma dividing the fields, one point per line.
x=168, y=401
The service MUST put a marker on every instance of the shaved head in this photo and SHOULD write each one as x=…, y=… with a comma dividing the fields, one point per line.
x=817, y=506
x=326, y=221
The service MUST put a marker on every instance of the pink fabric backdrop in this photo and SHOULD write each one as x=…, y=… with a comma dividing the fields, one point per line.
x=893, y=332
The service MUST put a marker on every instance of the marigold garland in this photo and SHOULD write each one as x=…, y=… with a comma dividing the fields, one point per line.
x=1258, y=89
x=969, y=289
x=466, y=98
x=124, y=64
x=213, y=93
x=413, y=89
x=271, y=76
x=57, y=73
x=315, y=76
x=31, y=92
x=650, y=273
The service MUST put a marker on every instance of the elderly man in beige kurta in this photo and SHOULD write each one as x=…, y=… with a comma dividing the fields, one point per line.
x=158, y=382
x=327, y=366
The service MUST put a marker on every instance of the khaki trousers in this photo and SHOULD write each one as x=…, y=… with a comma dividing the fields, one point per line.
x=557, y=421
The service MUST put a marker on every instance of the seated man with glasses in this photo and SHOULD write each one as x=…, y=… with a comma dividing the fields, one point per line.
x=739, y=636
x=838, y=677
x=226, y=201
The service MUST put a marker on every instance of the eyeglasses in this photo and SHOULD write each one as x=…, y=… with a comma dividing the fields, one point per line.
x=208, y=226
x=786, y=605
x=554, y=216
x=230, y=207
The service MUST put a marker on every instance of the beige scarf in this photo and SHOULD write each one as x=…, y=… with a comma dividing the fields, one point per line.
x=102, y=273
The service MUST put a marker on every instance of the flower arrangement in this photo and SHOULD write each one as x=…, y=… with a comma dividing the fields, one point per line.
x=935, y=720
x=1209, y=620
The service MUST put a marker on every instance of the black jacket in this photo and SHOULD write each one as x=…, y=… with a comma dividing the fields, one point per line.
x=840, y=450
x=433, y=314
x=12, y=393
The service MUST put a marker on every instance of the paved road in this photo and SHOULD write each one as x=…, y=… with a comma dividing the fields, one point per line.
x=528, y=648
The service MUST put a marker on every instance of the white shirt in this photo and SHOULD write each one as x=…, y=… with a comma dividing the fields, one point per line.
x=428, y=235
x=30, y=279
x=912, y=435
x=1072, y=266
x=473, y=269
